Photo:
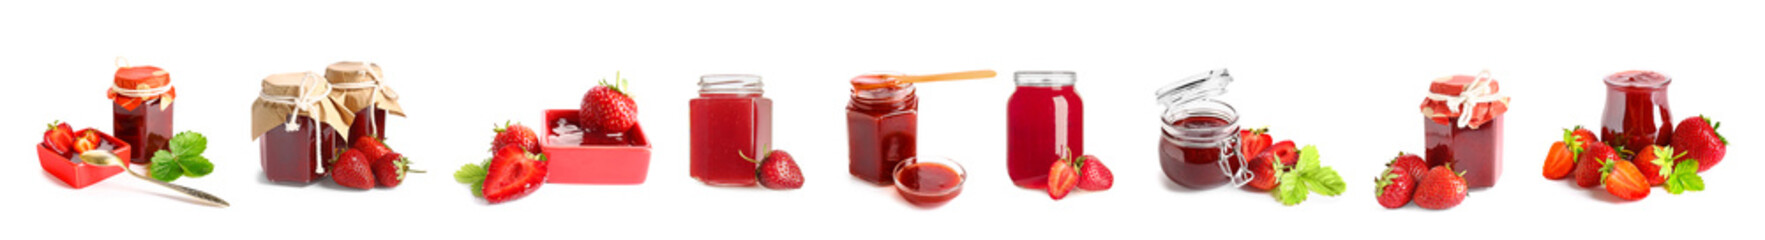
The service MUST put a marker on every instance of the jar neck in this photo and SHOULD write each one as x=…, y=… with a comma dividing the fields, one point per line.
x=1202, y=124
x=885, y=99
x=1045, y=78
x=730, y=85
x=1636, y=79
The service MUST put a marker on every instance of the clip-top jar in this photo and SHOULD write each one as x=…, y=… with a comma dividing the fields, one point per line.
x=1636, y=114
x=1044, y=121
x=142, y=109
x=882, y=126
x=297, y=127
x=1199, y=147
x=731, y=123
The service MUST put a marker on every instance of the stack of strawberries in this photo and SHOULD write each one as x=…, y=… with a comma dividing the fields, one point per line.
x=1693, y=147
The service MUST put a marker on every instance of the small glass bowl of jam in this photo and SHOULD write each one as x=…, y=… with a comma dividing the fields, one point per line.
x=929, y=181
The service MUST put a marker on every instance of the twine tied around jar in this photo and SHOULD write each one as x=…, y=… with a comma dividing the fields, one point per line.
x=1228, y=150
x=1478, y=92
x=374, y=95
x=301, y=102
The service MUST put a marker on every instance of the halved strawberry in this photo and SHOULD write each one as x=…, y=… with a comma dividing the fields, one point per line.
x=513, y=173
x=59, y=138
x=1623, y=180
x=1286, y=151
x=1253, y=141
x=1061, y=178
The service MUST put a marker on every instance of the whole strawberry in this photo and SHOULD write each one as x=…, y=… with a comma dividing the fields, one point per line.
x=1656, y=163
x=1394, y=187
x=1411, y=164
x=1587, y=167
x=1623, y=180
x=778, y=170
x=608, y=108
x=59, y=138
x=351, y=170
x=1697, y=138
x=515, y=134
x=1441, y=188
x=1061, y=178
x=1093, y=176
x=370, y=147
x=390, y=169
x=1584, y=136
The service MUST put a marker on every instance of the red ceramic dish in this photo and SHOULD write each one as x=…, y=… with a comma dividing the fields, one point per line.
x=594, y=164
x=77, y=174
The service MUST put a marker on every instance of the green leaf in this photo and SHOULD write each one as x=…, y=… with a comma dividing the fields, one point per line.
x=1290, y=191
x=1685, y=178
x=165, y=167
x=473, y=174
x=1308, y=158
x=189, y=143
x=1324, y=181
x=195, y=166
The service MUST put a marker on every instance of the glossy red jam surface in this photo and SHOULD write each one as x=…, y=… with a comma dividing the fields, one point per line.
x=882, y=130
x=1042, y=121
x=1636, y=113
x=725, y=127
x=1194, y=167
x=928, y=184
x=289, y=156
x=1476, y=152
x=147, y=128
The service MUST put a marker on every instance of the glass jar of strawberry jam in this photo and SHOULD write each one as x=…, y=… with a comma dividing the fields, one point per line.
x=361, y=90
x=731, y=123
x=882, y=124
x=1199, y=147
x=1462, y=126
x=142, y=110
x=1044, y=119
x=298, y=128
x=1636, y=114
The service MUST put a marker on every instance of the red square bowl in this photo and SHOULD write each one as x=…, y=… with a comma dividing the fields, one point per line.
x=78, y=174
x=594, y=164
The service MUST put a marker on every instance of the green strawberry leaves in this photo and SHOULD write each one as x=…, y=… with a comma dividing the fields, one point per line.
x=183, y=160
x=1309, y=176
x=474, y=174
x=1685, y=178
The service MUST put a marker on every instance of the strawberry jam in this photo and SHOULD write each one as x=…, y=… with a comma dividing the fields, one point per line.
x=1199, y=147
x=731, y=123
x=1636, y=114
x=298, y=128
x=930, y=182
x=1462, y=126
x=882, y=125
x=142, y=110
x=1044, y=119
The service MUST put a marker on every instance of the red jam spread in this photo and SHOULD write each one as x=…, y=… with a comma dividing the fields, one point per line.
x=882, y=126
x=142, y=110
x=731, y=123
x=1636, y=114
x=1044, y=119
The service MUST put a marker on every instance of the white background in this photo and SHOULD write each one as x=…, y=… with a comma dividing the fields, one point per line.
x=1346, y=76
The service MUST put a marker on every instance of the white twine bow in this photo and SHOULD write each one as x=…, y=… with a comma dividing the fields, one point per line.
x=374, y=95
x=301, y=101
x=1478, y=92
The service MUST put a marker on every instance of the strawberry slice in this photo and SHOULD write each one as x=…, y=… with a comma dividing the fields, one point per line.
x=513, y=173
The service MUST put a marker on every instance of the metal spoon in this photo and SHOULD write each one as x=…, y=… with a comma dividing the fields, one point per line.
x=105, y=158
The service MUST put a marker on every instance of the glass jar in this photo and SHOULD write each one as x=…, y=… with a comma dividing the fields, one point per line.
x=297, y=127
x=1044, y=120
x=882, y=126
x=1199, y=147
x=360, y=89
x=731, y=123
x=142, y=110
x=1468, y=136
x=1634, y=100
